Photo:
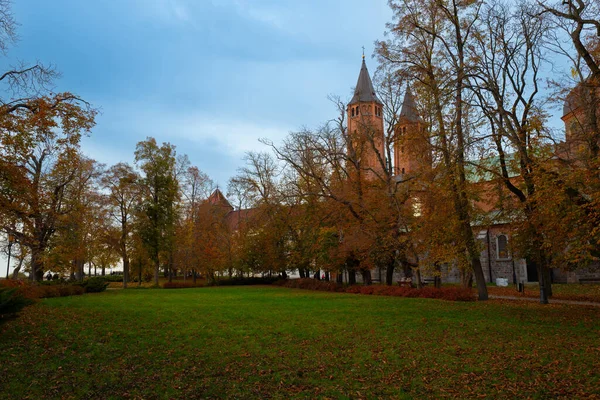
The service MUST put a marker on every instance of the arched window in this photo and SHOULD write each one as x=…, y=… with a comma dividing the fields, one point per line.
x=502, y=247
x=357, y=108
x=353, y=111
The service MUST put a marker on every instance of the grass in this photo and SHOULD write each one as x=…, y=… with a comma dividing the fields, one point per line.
x=267, y=342
x=577, y=292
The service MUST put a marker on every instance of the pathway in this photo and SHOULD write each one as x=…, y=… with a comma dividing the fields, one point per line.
x=557, y=301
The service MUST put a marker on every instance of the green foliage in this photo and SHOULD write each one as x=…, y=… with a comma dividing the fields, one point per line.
x=115, y=278
x=11, y=301
x=95, y=285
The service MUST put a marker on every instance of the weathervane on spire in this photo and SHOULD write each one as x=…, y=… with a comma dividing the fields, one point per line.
x=363, y=52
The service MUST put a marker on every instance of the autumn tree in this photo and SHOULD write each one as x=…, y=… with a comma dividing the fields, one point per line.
x=571, y=233
x=122, y=184
x=159, y=193
x=428, y=44
x=39, y=155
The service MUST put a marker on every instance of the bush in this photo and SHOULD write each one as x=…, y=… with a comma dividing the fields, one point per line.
x=446, y=293
x=11, y=301
x=180, y=285
x=246, y=281
x=113, y=278
x=95, y=285
x=41, y=291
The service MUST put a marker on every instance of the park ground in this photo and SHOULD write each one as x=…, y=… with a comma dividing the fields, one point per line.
x=271, y=342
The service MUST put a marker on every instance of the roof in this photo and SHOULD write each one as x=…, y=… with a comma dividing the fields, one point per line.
x=364, y=91
x=235, y=219
x=217, y=198
x=483, y=169
x=409, y=107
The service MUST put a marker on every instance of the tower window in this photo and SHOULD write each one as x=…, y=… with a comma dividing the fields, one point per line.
x=357, y=108
x=353, y=111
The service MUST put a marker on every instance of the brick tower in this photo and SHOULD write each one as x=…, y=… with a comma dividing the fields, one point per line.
x=365, y=126
x=411, y=149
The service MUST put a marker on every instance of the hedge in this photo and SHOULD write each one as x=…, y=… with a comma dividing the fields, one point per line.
x=445, y=293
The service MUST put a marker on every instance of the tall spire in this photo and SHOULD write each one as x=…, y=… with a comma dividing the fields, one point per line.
x=409, y=107
x=364, y=87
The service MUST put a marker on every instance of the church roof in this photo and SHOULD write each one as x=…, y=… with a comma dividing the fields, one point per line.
x=409, y=107
x=217, y=198
x=364, y=90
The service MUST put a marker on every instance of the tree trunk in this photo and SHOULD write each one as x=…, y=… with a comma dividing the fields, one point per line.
x=16, y=270
x=37, y=267
x=547, y=280
x=301, y=272
x=437, y=280
x=125, y=272
x=389, y=273
x=79, y=270
x=417, y=275
x=103, y=272
x=340, y=276
x=351, y=277
x=367, y=278
x=542, y=282
x=156, y=271
x=479, y=279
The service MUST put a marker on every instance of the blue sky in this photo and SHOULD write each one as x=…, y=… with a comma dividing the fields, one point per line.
x=209, y=76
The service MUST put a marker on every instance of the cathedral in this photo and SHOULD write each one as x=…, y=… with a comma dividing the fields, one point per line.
x=411, y=153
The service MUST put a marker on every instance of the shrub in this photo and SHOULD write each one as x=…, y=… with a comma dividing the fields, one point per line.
x=446, y=293
x=40, y=291
x=95, y=285
x=113, y=278
x=245, y=281
x=11, y=301
x=180, y=285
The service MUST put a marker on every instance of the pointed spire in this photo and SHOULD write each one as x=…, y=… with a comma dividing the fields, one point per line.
x=364, y=87
x=409, y=107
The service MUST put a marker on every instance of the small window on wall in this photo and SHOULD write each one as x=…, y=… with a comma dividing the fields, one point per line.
x=353, y=111
x=502, y=247
x=357, y=108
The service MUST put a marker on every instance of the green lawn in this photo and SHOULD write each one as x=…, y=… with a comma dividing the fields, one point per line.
x=263, y=342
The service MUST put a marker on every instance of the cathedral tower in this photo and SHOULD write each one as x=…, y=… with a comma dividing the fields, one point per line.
x=411, y=149
x=365, y=125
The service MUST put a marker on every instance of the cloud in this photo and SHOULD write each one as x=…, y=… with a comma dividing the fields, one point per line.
x=169, y=11
x=266, y=15
x=233, y=136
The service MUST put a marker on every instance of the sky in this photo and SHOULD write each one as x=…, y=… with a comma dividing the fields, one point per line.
x=209, y=76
